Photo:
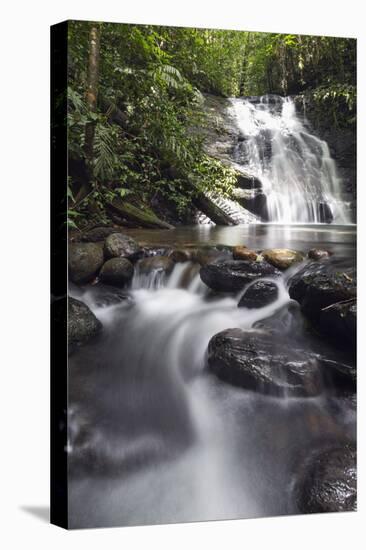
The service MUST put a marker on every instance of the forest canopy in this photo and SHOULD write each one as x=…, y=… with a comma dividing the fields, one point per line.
x=136, y=91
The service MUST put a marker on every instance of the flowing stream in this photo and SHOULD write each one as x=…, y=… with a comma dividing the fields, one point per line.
x=295, y=167
x=154, y=437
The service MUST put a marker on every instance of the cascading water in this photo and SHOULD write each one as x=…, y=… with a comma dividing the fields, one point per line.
x=298, y=174
x=153, y=436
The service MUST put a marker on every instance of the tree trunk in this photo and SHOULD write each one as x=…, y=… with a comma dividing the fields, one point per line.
x=91, y=99
x=92, y=89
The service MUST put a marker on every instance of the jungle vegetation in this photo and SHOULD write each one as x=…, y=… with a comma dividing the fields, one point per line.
x=136, y=92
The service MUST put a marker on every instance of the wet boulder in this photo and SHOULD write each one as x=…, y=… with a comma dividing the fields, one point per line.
x=244, y=253
x=119, y=245
x=82, y=324
x=259, y=294
x=156, y=263
x=316, y=289
x=233, y=275
x=318, y=254
x=282, y=258
x=85, y=260
x=117, y=271
x=179, y=255
x=328, y=481
x=98, y=234
x=206, y=255
x=255, y=361
x=339, y=321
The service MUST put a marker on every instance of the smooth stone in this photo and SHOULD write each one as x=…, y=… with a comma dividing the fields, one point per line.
x=259, y=294
x=282, y=258
x=244, y=253
x=318, y=254
x=180, y=255
x=255, y=361
x=232, y=276
x=119, y=245
x=85, y=260
x=117, y=271
x=98, y=234
x=328, y=482
x=82, y=324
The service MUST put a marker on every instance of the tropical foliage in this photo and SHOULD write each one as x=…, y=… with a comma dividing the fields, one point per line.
x=148, y=84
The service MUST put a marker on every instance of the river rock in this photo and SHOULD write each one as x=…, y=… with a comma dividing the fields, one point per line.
x=255, y=361
x=316, y=289
x=118, y=245
x=259, y=294
x=232, y=276
x=244, y=253
x=156, y=263
x=339, y=321
x=329, y=481
x=207, y=255
x=117, y=271
x=318, y=254
x=179, y=255
x=85, y=260
x=282, y=258
x=98, y=234
x=82, y=324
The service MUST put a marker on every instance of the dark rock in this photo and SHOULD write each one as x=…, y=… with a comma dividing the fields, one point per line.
x=328, y=482
x=339, y=321
x=180, y=255
x=207, y=255
x=244, y=181
x=82, y=324
x=325, y=213
x=282, y=258
x=116, y=271
x=85, y=260
x=155, y=263
x=232, y=276
x=255, y=361
x=244, y=253
x=98, y=234
x=259, y=294
x=255, y=201
x=317, y=254
x=118, y=245
x=316, y=289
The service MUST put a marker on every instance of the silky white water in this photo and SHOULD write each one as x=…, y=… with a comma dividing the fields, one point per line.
x=296, y=169
x=153, y=436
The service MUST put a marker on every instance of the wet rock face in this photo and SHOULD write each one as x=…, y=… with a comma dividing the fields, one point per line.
x=259, y=294
x=118, y=245
x=117, y=271
x=282, y=258
x=328, y=482
x=339, y=321
x=82, y=323
x=156, y=263
x=232, y=276
x=316, y=289
x=253, y=360
x=85, y=260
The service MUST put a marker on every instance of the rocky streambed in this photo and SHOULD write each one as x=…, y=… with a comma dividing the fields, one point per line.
x=185, y=355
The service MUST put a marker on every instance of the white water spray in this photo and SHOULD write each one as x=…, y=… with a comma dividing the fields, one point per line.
x=296, y=169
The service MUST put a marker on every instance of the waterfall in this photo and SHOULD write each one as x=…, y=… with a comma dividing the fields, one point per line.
x=298, y=174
